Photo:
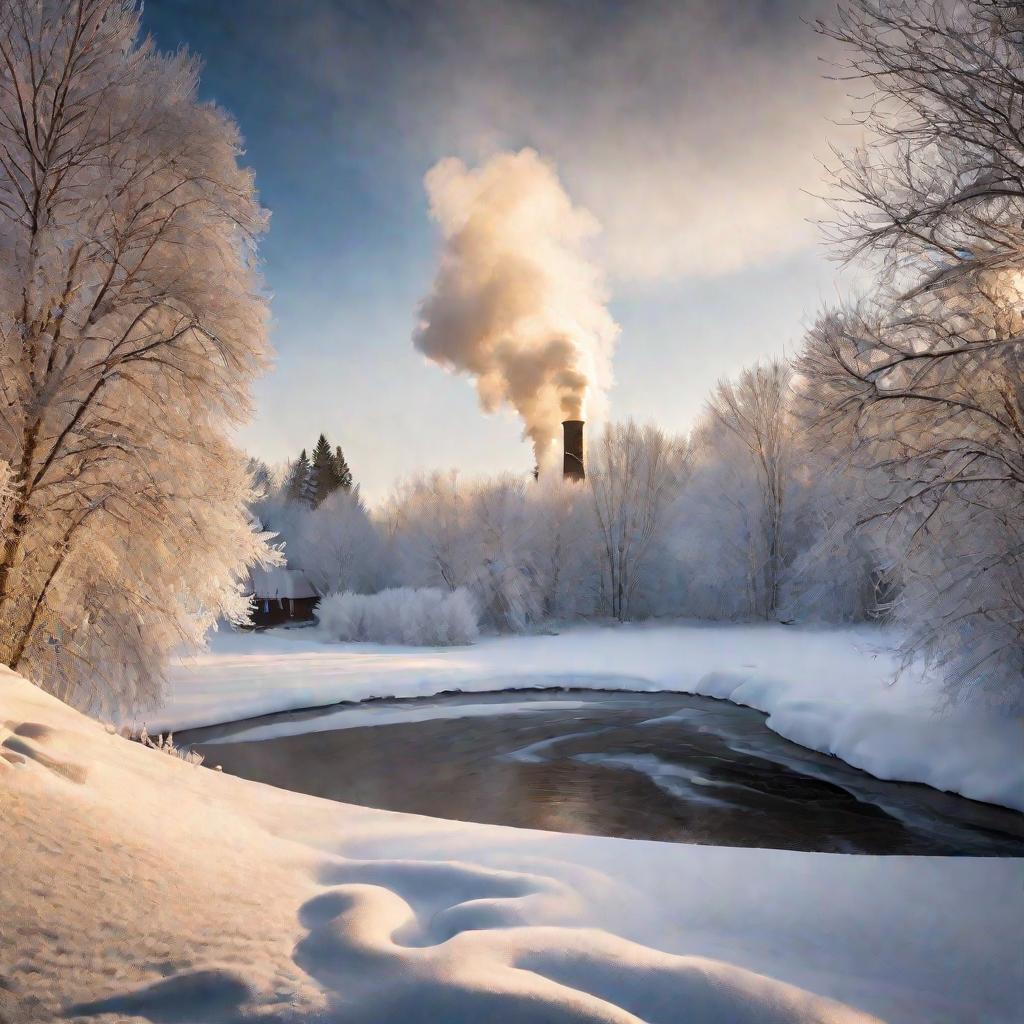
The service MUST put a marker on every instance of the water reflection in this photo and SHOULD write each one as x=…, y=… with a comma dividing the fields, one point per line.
x=649, y=766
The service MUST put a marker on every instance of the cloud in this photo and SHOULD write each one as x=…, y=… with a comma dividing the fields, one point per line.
x=692, y=130
x=689, y=129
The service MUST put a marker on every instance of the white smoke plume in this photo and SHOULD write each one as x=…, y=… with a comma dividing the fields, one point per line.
x=516, y=304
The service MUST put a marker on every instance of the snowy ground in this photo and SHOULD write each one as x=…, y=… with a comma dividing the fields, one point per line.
x=829, y=689
x=140, y=888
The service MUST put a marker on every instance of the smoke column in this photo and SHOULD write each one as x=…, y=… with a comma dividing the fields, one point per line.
x=515, y=303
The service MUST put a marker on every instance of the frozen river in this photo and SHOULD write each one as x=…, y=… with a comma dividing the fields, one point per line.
x=660, y=766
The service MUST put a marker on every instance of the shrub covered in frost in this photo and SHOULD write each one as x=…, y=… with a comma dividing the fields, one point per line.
x=166, y=745
x=403, y=615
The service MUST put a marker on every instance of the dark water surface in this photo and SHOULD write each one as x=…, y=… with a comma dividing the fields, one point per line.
x=638, y=765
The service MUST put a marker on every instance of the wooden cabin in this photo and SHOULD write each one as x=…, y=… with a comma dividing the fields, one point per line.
x=281, y=597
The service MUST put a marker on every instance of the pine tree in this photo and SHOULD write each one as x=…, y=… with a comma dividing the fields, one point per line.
x=341, y=471
x=324, y=477
x=299, y=479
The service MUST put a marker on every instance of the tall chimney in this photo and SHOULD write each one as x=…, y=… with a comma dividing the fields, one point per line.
x=572, y=443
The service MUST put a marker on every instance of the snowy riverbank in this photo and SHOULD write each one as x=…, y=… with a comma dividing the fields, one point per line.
x=141, y=887
x=828, y=689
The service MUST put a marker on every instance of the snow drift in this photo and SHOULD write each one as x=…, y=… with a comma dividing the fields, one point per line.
x=138, y=886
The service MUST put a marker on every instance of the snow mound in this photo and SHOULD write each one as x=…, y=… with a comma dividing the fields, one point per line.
x=400, y=949
x=401, y=615
x=141, y=887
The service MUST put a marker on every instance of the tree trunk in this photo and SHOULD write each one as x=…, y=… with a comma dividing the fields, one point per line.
x=16, y=533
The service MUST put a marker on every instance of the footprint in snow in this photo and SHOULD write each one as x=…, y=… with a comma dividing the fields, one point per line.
x=22, y=747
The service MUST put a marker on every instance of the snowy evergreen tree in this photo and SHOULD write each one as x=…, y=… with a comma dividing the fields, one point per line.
x=324, y=478
x=318, y=477
x=341, y=471
x=299, y=484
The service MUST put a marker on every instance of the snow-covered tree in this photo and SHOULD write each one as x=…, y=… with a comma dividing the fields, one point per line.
x=563, y=547
x=748, y=421
x=840, y=567
x=309, y=480
x=429, y=527
x=336, y=544
x=472, y=535
x=504, y=581
x=720, y=537
x=926, y=377
x=634, y=475
x=131, y=326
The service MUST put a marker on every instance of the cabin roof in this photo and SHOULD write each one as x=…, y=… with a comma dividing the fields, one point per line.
x=280, y=582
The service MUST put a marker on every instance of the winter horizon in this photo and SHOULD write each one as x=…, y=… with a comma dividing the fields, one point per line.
x=512, y=511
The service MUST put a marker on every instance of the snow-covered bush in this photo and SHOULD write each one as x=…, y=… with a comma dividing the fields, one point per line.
x=403, y=615
x=166, y=745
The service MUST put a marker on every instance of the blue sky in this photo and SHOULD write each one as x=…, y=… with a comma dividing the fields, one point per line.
x=691, y=131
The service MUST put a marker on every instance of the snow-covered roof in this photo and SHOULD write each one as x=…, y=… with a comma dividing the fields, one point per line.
x=280, y=582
